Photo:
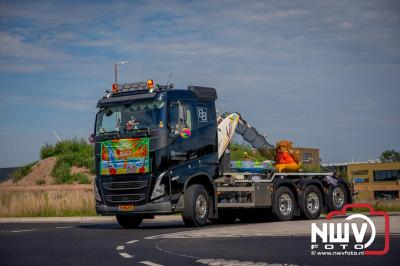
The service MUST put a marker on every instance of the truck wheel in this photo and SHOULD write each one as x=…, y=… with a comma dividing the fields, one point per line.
x=337, y=197
x=129, y=221
x=284, y=204
x=196, y=203
x=311, y=203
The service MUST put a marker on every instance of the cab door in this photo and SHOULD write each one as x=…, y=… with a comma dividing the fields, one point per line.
x=183, y=150
x=183, y=134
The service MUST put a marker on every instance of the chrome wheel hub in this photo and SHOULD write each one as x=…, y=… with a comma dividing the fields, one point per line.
x=285, y=204
x=312, y=202
x=338, y=197
x=201, y=206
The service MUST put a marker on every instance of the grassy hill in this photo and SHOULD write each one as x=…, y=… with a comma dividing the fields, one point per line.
x=66, y=162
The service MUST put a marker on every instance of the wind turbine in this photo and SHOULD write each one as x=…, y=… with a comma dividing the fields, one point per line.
x=116, y=69
x=55, y=134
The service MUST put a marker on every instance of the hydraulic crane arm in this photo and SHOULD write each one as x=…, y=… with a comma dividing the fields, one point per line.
x=228, y=123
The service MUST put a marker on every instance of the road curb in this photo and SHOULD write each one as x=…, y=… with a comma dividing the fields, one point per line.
x=79, y=219
x=92, y=219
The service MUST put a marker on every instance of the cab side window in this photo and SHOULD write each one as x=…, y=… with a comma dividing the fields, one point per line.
x=181, y=115
x=188, y=116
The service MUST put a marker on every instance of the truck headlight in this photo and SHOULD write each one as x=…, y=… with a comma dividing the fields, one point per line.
x=159, y=189
x=97, y=196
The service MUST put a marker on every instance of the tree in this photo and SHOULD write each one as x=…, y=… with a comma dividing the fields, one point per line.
x=390, y=156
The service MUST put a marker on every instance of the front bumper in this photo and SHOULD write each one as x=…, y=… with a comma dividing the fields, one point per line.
x=148, y=208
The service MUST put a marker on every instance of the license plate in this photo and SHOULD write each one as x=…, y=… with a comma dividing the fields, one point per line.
x=126, y=208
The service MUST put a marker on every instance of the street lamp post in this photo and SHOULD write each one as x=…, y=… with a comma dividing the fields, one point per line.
x=116, y=70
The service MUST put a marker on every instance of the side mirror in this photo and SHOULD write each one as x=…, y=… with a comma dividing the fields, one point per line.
x=91, y=138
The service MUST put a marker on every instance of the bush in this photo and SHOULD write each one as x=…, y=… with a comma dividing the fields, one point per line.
x=241, y=152
x=46, y=151
x=73, y=152
x=21, y=172
x=75, y=145
x=62, y=173
x=311, y=168
x=81, y=178
x=80, y=159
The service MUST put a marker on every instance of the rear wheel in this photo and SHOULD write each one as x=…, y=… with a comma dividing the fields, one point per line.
x=284, y=204
x=337, y=197
x=129, y=221
x=196, y=205
x=311, y=202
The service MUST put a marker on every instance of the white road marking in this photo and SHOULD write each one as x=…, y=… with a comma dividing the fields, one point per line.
x=26, y=230
x=150, y=263
x=237, y=262
x=132, y=241
x=173, y=253
x=120, y=247
x=63, y=227
x=125, y=255
x=168, y=234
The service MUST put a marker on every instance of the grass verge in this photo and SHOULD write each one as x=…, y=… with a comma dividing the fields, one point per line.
x=381, y=205
x=46, y=203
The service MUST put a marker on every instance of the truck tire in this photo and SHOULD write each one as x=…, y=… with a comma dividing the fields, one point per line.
x=337, y=197
x=311, y=202
x=196, y=206
x=129, y=222
x=284, y=204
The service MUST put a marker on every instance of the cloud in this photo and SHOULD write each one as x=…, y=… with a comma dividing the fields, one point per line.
x=12, y=46
x=86, y=104
x=308, y=71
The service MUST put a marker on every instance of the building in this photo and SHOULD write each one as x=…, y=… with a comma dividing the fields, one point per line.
x=374, y=181
x=308, y=155
x=340, y=168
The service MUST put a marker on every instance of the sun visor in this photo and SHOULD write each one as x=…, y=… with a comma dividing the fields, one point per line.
x=123, y=99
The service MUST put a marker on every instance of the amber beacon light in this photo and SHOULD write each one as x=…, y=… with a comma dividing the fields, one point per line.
x=150, y=85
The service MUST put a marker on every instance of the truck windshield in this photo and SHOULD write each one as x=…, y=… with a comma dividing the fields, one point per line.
x=130, y=117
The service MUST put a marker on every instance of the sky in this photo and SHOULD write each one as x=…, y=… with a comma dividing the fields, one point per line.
x=323, y=74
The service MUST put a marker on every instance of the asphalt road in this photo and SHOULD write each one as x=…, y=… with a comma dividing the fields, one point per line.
x=164, y=243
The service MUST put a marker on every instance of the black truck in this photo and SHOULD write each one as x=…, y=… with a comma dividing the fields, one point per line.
x=156, y=152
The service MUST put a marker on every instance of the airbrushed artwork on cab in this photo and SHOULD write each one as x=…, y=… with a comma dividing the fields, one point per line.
x=124, y=156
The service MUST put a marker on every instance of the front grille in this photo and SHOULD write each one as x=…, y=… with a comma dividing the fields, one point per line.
x=125, y=185
x=125, y=189
x=126, y=198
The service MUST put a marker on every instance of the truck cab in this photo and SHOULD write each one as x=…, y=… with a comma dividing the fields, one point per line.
x=152, y=144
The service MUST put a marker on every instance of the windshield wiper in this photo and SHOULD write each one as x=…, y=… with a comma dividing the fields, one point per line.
x=139, y=130
x=108, y=133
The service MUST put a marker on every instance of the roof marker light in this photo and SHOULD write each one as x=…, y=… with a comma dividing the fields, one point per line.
x=114, y=88
x=150, y=85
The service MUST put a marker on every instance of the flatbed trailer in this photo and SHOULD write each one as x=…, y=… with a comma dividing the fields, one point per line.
x=238, y=191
